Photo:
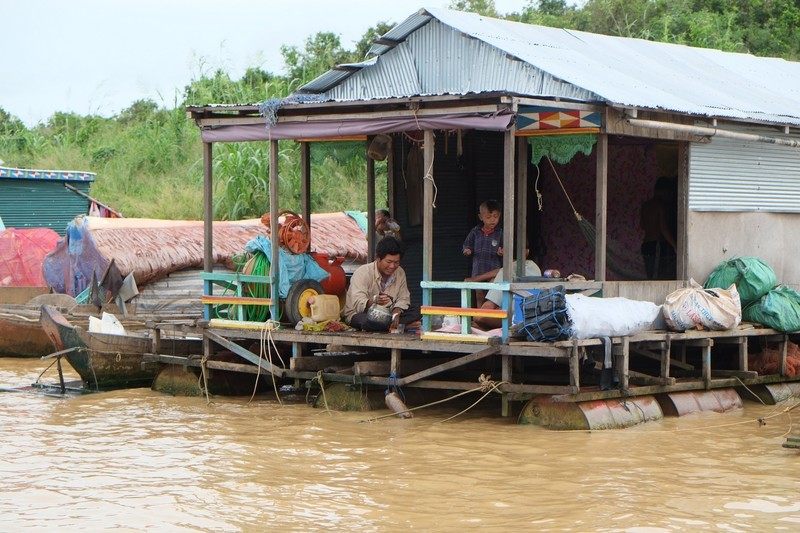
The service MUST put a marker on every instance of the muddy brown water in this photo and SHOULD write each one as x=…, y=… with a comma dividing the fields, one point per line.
x=137, y=460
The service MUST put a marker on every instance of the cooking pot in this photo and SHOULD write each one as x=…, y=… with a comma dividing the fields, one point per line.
x=378, y=318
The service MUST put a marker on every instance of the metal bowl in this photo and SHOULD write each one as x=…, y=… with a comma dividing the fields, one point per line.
x=379, y=315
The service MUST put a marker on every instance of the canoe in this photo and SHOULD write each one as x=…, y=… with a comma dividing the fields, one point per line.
x=107, y=361
x=21, y=335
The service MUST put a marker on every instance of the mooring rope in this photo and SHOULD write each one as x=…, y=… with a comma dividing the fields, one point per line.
x=486, y=385
x=318, y=378
x=204, y=386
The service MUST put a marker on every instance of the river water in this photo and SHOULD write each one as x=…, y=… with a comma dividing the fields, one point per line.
x=136, y=460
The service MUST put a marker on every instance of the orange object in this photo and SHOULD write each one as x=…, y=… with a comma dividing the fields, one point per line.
x=337, y=281
x=293, y=233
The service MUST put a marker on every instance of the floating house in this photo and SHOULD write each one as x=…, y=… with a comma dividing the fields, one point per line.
x=571, y=132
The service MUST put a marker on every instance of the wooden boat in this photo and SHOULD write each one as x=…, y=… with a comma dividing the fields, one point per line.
x=21, y=335
x=107, y=361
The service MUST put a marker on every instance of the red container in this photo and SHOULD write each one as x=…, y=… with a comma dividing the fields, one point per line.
x=337, y=282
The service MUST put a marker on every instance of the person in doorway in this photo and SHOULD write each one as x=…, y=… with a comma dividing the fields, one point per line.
x=658, y=221
x=484, y=244
x=382, y=282
x=386, y=226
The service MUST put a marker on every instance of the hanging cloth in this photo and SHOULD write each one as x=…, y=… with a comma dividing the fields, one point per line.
x=561, y=148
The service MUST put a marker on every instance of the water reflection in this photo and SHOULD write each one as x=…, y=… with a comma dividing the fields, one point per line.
x=140, y=460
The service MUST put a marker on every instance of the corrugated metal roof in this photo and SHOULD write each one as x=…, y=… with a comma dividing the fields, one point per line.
x=481, y=55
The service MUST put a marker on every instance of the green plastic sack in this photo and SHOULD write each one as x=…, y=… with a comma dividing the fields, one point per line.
x=752, y=276
x=779, y=309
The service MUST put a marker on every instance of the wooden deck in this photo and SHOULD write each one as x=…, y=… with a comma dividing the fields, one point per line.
x=648, y=363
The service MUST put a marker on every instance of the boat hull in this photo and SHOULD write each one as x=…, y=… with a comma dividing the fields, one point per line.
x=105, y=361
x=20, y=333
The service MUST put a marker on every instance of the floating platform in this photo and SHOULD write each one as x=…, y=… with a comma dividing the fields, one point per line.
x=656, y=373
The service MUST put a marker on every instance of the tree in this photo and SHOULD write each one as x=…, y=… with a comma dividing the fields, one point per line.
x=481, y=7
x=322, y=52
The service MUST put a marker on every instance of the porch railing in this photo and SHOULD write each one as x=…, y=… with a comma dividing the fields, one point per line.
x=466, y=312
x=235, y=293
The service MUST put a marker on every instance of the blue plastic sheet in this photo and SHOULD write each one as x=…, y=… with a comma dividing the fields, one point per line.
x=293, y=267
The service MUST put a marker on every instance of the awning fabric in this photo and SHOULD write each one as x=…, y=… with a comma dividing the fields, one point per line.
x=347, y=128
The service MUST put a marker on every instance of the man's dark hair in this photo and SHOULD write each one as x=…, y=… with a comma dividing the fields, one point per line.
x=492, y=205
x=384, y=212
x=388, y=246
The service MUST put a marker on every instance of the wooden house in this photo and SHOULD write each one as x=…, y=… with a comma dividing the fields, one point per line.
x=570, y=131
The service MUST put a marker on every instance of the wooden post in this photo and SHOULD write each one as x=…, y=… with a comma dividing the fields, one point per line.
x=666, y=354
x=305, y=182
x=522, y=204
x=509, y=188
x=624, y=367
x=682, y=267
x=601, y=204
x=394, y=366
x=574, y=369
x=782, y=360
x=390, y=179
x=370, y=204
x=707, y=363
x=208, y=222
x=505, y=402
x=273, y=221
x=743, y=363
x=427, y=223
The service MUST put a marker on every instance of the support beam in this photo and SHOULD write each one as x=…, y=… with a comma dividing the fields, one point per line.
x=682, y=237
x=305, y=182
x=455, y=363
x=427, y=223
x=208, y=218
x=703, y=131
x=522, y=204
x=370, y=204
x=509, y=189
x=601, y=205
x=274, y=207
x=243, y=353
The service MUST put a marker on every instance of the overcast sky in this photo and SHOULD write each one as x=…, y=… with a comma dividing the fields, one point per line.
x=100, y=56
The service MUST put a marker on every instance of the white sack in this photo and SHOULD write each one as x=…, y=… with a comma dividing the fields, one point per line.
x=108, y=324
x=610, y=317
x=696, y=307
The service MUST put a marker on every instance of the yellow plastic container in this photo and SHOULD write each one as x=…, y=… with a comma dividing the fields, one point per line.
x=325, y=307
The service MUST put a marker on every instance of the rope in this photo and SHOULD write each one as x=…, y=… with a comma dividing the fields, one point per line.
x=589, y=233
x=318, y=378
x=485, y=385
x=204, y=378
x=577, y=215
x=429, y=176
x=266, y=345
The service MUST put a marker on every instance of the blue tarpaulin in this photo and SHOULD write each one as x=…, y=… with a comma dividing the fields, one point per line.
x=293, y=267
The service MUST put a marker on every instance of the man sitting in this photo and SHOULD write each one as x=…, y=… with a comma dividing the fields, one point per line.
x=382, y=282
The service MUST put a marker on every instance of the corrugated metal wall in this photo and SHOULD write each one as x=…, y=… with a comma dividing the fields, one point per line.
x=735, y=175
x=462, y=183
x=28, y=203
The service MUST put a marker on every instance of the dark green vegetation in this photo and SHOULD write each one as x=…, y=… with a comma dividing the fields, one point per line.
x=148, y=157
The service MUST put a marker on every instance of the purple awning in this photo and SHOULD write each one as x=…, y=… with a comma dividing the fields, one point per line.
x=349, y=128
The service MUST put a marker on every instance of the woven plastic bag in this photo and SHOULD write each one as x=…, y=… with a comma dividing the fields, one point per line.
x=545, y=315
x=697, y=308
x=752, y=276
x=779, y=309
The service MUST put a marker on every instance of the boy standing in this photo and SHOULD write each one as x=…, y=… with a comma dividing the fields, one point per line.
x=485, y=244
